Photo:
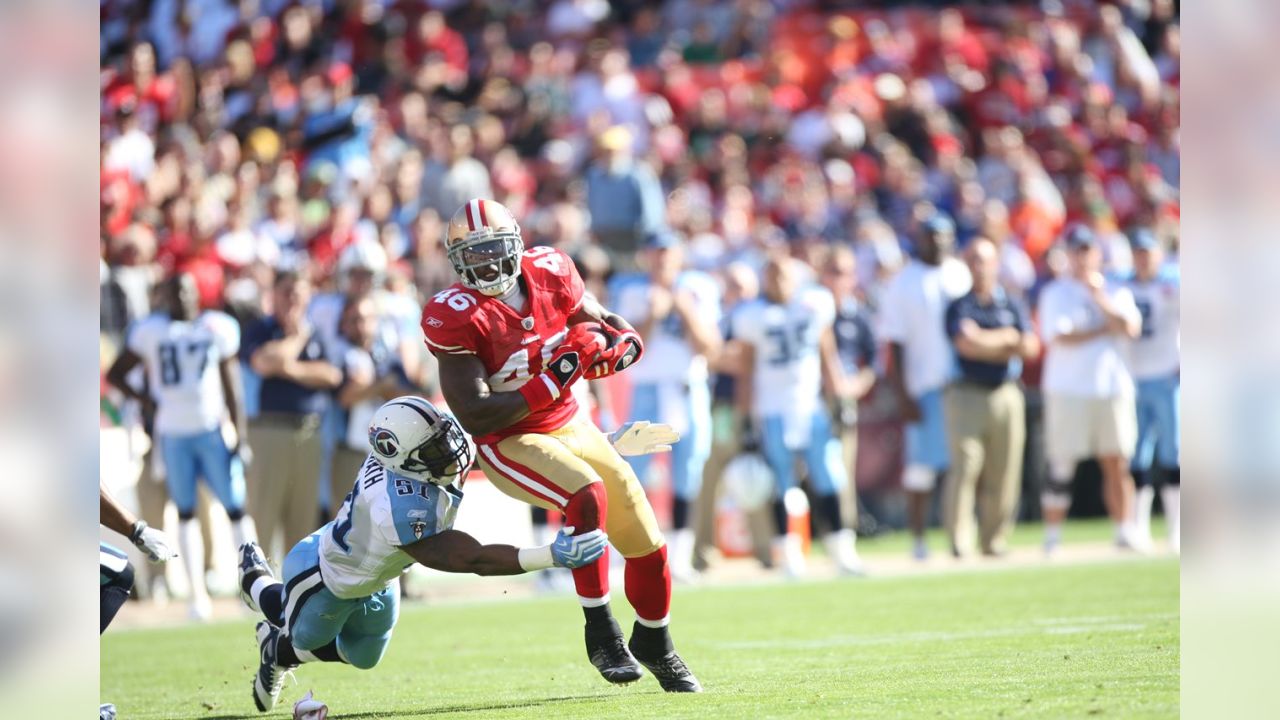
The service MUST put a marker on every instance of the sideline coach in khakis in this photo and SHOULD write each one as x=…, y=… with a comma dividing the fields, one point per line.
x=985, y=409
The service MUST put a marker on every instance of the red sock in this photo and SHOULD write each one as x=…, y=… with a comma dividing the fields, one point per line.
x=586, y=511
x=648, y=584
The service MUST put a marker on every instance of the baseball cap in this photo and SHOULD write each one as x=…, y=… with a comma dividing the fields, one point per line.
x=1143, y=239
x=661, y=240
x=1080, y=237
x=937, y=224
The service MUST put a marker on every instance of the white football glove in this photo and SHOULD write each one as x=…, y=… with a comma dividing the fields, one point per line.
x=153, y=543
x=308, y=708
x=643, y=438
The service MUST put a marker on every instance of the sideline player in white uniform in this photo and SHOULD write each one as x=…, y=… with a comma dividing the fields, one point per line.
x=339, y=598
x=677, y=314
x=1154, y=357
x=194, y=380
x=789, y=353
x=913, y=321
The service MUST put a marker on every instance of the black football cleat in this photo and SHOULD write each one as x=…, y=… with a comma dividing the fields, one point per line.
x=672, y=674
x=609, y=654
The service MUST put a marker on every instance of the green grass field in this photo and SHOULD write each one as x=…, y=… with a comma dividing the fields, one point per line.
x=1043, y=642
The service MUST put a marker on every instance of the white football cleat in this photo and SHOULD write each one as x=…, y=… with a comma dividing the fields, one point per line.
x=790, y=551
x=107, y=711
x=200, y=609
x=269, y=679
x=843, y=551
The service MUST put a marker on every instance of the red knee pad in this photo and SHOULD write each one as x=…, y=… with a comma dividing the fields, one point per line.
x=587, y=509
x=648, y=585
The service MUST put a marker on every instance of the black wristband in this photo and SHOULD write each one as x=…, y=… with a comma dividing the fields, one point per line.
x=136, y=533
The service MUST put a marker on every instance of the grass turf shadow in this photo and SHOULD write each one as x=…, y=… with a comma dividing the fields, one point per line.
x=445, y=710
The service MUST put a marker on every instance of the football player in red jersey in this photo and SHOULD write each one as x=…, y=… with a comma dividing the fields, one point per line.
x=512, y=336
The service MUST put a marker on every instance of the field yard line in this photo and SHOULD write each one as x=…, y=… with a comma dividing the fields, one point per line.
x=1058, y=627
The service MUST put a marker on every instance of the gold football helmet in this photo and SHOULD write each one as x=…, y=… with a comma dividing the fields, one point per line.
x=484, y=246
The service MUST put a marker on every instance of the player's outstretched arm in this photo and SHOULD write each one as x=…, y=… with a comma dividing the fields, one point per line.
x=154, y=543
x=457, y=552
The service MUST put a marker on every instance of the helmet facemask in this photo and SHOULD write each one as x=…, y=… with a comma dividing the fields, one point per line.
x=488, y=260
x=443, y=457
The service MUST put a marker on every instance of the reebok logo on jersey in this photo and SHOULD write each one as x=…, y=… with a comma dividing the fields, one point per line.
x=435, y=322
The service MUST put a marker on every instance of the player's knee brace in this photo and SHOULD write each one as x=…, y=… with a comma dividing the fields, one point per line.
x=1057, y=489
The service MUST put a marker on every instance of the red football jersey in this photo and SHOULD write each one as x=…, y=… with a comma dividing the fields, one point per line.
x=513, y=346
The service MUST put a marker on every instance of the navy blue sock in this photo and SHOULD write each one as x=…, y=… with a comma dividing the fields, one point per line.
x=829, y=508
x=680, y=513
x=286, y=655
x=780, y=515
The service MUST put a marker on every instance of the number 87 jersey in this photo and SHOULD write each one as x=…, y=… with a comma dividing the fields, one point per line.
x=513, y=345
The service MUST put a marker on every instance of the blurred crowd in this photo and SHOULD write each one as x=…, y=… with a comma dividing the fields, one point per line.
x=246, y=142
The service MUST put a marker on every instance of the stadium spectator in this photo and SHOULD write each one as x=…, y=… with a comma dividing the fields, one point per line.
x=371, y=375
x=1089, y=395
x=985, y=409
x=624, y=199
x=290, y=356
x=912, y=314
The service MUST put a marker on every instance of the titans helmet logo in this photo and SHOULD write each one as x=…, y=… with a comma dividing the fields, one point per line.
x=384, y=442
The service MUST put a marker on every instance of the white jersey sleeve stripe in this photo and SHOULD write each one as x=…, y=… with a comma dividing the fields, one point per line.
x=520, y=478
x=446, y=348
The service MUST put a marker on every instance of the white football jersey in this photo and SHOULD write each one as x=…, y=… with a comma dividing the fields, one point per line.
x=788, y=370
x=668, y=355
x=360, y=549
x=913, y=312
x=182, y=359
x=1156, y=352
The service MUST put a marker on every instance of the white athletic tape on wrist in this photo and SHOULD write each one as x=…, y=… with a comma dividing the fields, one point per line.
x=538, y=558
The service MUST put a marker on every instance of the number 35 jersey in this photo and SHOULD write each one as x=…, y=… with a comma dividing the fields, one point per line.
x=360, y=549
x=513, y=346
x=182, y=359
x=788, y=371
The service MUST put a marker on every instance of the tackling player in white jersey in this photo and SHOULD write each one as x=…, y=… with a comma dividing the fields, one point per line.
x=193, y=379
x=1155, y=360
x=789, y=354
x=339, y=598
